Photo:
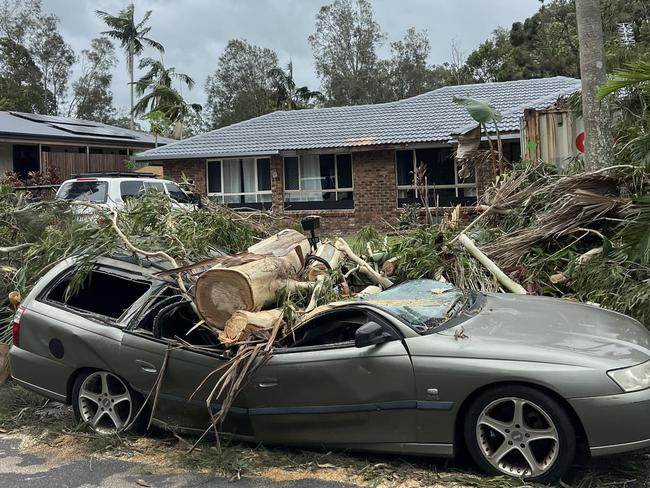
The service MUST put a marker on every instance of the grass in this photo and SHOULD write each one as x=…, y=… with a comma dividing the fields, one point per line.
x=26, y=414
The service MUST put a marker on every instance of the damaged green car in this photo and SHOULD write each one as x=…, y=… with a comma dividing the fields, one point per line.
x=526, y=384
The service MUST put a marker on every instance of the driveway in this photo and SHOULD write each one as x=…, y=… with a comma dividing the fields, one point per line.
x=22, y=469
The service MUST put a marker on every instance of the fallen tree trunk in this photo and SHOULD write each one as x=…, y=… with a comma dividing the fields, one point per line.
x=511, y=285
x=252, y=282
x=364, y=267
x=243, y=323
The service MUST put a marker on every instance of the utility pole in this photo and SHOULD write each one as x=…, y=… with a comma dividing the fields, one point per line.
x=596, y=115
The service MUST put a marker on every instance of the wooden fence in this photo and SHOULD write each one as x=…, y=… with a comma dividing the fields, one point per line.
x=67, y=164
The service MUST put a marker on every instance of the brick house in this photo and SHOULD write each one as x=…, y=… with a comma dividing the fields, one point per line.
x=352, y=165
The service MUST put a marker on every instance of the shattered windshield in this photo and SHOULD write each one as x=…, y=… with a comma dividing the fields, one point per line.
x=421, y=304
x=91, y=191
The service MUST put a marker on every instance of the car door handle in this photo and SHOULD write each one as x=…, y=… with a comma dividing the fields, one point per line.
x=146, y=367
x=268, y=383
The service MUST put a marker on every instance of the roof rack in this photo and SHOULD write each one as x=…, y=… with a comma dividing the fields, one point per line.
x=115, y=174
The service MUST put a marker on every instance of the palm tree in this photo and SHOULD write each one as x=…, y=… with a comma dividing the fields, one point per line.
x=132, y=38
x=170, y=103
x=288, y=97
x=157, y=76
x=158, y=94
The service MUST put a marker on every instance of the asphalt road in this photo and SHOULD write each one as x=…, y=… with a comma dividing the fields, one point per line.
x=20, y=469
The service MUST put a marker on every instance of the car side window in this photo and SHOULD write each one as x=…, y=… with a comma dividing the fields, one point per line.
x=91, y=294
x=156, y=185
x=330, y=329
x=130, y=189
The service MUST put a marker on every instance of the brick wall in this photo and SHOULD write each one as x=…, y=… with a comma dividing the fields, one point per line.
x=193, y=169
x=375, y=191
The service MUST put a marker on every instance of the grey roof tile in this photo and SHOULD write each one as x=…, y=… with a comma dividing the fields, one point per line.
x=430, y=117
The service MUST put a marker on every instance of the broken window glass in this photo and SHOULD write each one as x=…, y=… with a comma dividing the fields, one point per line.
x=334, y=328
x=100, y=293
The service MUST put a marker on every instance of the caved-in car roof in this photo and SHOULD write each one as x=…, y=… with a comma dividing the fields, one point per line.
x=415, y=302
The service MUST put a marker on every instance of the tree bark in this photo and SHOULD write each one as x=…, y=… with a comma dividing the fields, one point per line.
x=243, y=323
x=131, y=86
x=596, y=115
x=505, y=280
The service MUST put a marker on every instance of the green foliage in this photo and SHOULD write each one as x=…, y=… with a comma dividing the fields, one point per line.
x=418, y=253
x=92, y=98
x=345, y=45
x=481, y=111
x=368, y=235
x=240, y=88
x=287, y=95
x=20, y=81
x=636, y=231
x=151, y=222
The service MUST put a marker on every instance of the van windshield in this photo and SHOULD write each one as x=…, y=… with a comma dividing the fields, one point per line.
x=88, y=191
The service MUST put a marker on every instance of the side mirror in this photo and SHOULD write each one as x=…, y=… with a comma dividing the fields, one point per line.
x=371, y=334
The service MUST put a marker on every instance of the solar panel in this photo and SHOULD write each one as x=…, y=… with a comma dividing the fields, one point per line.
x=52, y=119
x=102, y=131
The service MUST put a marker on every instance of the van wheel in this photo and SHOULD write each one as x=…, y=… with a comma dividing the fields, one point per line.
x=520, y=432
x=106, y=403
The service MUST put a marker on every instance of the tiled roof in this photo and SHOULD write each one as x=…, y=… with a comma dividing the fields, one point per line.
x=46, y=127
x=430, y=117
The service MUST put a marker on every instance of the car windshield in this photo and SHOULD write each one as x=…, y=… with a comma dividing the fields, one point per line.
x=177, y=194
x=89, y=191
x=421, y=304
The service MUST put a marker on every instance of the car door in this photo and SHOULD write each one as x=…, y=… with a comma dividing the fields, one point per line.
x=182, y=399
x=334, y=394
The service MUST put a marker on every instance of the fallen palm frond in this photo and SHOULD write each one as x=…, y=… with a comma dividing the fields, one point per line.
x=574, y=202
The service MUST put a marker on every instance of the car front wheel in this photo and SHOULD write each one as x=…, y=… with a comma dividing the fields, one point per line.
x=105, y=402
x=521, y=432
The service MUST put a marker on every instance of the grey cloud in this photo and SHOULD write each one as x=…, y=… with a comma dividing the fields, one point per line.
x=195, y=31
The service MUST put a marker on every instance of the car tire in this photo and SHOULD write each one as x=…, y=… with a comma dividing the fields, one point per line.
x=521, y=432
x=107, y=403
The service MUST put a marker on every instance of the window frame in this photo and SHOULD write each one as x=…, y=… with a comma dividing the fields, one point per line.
x=456, y=186
x=329, y=314
x=319, y=204
x=222, y=195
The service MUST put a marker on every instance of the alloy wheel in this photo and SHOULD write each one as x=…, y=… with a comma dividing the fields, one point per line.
x=105, y=402
x=517, y=437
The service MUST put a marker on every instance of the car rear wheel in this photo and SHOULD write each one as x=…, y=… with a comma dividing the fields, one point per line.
x=106, y=402
x=521, y=432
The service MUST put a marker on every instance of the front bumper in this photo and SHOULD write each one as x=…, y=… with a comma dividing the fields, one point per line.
x=615, y=423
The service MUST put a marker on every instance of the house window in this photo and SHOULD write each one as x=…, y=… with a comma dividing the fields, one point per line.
x=444, y=187
x=240, y=183
x=318, y=181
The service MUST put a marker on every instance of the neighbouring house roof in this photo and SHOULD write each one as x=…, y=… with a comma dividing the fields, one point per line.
x=430, y=117
x=20, y=125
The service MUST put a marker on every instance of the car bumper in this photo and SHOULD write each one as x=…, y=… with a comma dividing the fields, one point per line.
x=39, y=374
x=615, y=423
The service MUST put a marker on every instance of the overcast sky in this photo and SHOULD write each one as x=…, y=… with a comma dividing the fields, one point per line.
x=195, y=32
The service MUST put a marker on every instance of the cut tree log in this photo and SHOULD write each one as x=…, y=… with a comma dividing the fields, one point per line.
x=243, y=323
x=505, y=280
x=328, y=253
x=251, y=284
x=364, y=267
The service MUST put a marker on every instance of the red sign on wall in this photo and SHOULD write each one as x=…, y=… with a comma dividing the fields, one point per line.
x=580, y=142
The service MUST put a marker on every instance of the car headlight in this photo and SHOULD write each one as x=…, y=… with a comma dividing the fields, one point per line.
x=632, y=379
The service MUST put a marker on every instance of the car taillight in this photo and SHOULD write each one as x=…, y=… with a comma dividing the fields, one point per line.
x=15, y=326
